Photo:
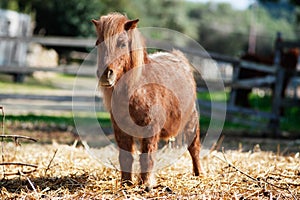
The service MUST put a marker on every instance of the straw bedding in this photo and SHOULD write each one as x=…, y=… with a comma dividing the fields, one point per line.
x=68, y=172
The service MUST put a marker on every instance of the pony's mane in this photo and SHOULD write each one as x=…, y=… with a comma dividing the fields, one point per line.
x=138, y=55
x=138, y=50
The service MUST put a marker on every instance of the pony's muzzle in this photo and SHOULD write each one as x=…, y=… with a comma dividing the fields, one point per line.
x=108, y=78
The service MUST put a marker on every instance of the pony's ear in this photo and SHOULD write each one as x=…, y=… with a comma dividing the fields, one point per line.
x=95, y=22
x=131, y=24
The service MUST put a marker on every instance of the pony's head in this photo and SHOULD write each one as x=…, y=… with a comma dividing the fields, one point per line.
x=120, y=47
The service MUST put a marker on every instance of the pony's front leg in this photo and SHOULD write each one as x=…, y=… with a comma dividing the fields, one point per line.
x=148, y=149
x=126, y=160
x=125, y=143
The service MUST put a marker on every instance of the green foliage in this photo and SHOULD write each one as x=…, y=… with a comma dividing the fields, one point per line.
x=65, y=18
x=72, y=17
x=289, y=10
x=267, y=27
x=225, y=30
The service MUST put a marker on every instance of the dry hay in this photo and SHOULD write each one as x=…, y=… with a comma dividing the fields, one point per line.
x=68, y=172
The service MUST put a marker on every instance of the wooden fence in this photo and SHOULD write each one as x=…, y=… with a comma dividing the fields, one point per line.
x=275, y=77
x=47, y=41
x=274, y=80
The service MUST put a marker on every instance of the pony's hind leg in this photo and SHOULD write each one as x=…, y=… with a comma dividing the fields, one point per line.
x=194, y=150
x=192, y=133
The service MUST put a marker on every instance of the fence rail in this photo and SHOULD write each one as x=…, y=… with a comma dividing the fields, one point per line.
x=54, y=41
x=63, y=69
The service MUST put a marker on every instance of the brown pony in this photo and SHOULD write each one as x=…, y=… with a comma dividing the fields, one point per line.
x=162, y=80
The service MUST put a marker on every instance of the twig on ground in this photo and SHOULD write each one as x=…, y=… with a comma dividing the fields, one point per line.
x=16, y=137
x=18, y=163
x=219, y=143
x=48, y=167
x=234, y=167
x=18, y=172
x=30, y=183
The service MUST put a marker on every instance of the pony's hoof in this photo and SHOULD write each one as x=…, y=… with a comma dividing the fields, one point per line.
x=127, y=183
x=167, y=189
x=148, y=188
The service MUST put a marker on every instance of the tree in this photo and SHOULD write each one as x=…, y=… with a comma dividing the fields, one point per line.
x=56, y=17
x=289, y=9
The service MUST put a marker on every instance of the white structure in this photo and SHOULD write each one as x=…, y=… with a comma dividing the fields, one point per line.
x=13, y=24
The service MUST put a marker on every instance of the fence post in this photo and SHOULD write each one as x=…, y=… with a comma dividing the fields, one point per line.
x=274, y=123
x=235, y=75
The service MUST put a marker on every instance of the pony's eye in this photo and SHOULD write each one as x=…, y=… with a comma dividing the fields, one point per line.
x=121, y=44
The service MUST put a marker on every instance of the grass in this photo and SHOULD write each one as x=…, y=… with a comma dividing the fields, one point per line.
x=30, y=85
x=213, y=96
x=58, y=120
x=261, y=103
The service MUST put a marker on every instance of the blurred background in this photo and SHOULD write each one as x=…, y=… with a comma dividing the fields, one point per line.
x=220, y=26
x=43, y=43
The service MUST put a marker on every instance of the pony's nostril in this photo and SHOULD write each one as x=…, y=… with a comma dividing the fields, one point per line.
x=109, y=73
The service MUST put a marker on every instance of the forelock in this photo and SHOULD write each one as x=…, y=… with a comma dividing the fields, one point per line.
x=110, y=26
